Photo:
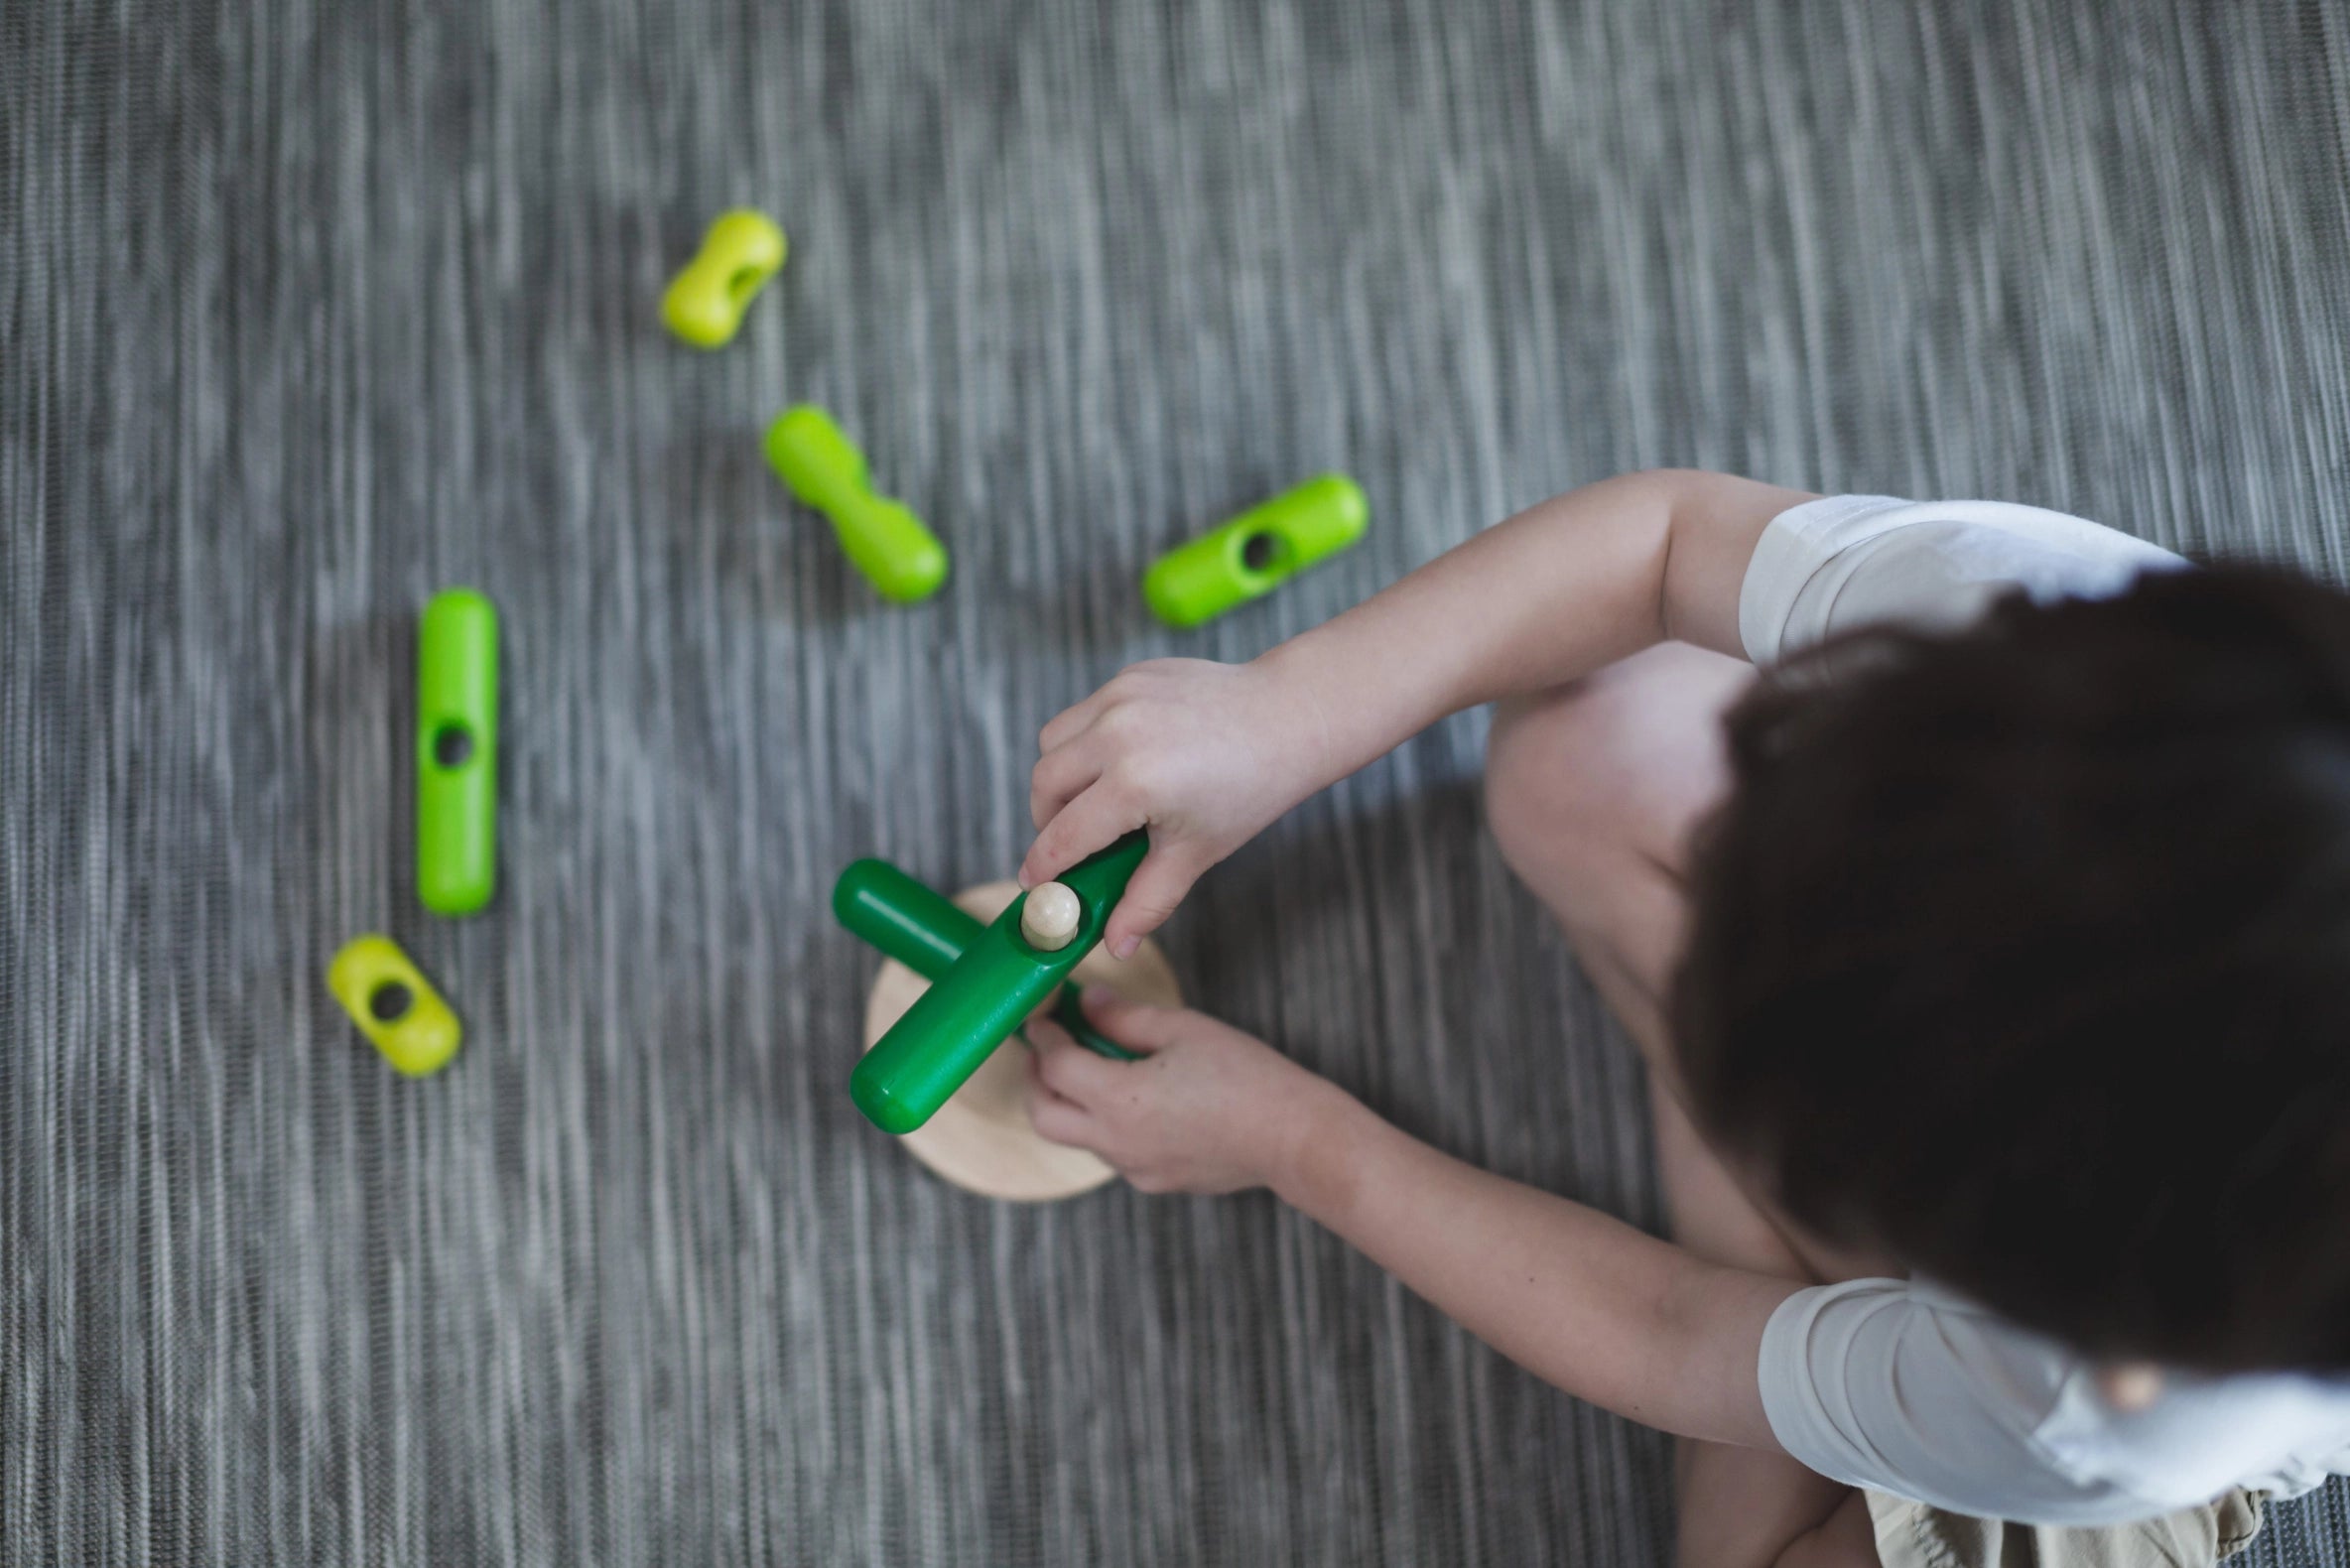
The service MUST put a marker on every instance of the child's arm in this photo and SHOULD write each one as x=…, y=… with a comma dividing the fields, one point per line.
x=1549, y=595
x=1581, y=1300
x=1577, y=1297
x=1206, y=754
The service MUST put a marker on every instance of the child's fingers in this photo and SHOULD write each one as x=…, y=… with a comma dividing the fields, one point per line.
x=1136, y=1025
x=1061, y=1124
x=1060, y=776
x=1041, y=1030
x=1065, y=726
x=1094, y=821
x=1058, y=1121
x=1158, y=886
x=1051, y=1113
x=1069, y=1070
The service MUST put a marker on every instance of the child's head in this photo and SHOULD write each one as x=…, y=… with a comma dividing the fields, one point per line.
x=2024, y=954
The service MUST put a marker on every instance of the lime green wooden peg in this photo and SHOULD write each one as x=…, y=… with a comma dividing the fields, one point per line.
x=883, y=538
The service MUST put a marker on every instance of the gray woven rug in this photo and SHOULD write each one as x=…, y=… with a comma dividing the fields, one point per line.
x=305, y=312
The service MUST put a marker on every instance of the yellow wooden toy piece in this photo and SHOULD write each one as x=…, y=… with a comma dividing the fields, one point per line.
x=705, y=301
x=393, y=1004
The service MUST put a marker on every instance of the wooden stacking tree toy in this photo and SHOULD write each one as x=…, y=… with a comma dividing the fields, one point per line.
x=986, y=980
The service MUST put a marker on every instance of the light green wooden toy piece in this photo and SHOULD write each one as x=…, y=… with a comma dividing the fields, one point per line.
x=1257, y=552
x=883, y=538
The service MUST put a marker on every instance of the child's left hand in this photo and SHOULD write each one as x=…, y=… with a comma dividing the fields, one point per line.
x=1206, y=1109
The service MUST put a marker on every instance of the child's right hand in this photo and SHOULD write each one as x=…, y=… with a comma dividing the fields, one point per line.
x=1205, y=1108
x=1202, y=754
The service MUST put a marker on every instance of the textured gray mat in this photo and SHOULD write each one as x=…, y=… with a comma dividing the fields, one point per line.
x=308, y=312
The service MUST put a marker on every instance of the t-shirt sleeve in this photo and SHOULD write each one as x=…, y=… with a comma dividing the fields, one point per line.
x=1848, y=560
x=1908, y=1387
x=1880, y=1382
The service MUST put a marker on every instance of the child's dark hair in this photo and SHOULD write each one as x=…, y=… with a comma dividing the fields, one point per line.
x=2024, y=954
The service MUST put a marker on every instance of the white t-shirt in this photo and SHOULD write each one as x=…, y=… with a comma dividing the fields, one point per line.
x=1901, y=1385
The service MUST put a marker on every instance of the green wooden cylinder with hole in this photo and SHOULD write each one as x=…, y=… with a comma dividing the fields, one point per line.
x=985, y=994
x=456, y=751
x=1257, y=552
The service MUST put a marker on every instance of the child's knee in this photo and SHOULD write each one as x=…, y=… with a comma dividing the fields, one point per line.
x=1614, y=768
x=1550, y=802
x=1845, y=1539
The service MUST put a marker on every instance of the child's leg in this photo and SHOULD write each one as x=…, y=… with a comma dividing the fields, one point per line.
x=1592, y=791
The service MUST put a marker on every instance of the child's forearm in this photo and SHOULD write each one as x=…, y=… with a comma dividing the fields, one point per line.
x=1582, y=1300
x=1546, y=597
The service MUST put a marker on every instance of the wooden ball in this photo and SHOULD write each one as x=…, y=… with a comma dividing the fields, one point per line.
x=1049, y=919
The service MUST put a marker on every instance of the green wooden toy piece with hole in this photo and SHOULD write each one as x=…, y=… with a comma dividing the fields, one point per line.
x=883, y=538
x=394, y=1006
x=975, y=1003
x=704, y=303
x=456, y=751
x=925, y=931
x=1257, y=552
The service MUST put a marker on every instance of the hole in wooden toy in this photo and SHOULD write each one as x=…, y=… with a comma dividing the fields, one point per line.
x=390, y=1001
x=452, y=745
x=1263, y=551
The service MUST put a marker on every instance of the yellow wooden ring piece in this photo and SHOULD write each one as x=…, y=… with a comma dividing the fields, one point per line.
x=705, y=301
x=393, y=1004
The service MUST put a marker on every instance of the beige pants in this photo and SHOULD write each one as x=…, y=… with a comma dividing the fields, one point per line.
x=1914, y=1535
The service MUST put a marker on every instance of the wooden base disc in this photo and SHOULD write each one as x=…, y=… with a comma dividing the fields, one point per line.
x=980, y=1139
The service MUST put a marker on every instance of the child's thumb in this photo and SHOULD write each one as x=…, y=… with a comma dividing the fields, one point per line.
x=1159, y=884
x=1136, y=1025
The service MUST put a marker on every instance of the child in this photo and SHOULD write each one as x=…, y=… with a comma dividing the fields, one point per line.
x=1992, y=966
